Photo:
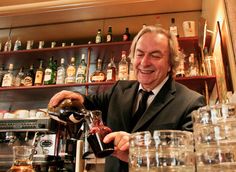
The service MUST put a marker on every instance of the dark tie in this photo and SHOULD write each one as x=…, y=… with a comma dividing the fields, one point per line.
x=141, y=107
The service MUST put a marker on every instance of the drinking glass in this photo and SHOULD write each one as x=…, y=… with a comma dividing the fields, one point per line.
x=215, y=138
x=22, y=159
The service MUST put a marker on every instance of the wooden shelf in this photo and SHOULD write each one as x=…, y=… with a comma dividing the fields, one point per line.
x=197, y=83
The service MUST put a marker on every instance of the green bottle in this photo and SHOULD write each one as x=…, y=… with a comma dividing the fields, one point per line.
x=49, y=74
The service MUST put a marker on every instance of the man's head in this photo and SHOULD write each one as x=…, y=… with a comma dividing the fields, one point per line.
x=155, y=53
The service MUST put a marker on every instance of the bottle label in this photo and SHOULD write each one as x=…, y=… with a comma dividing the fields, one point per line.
x=7, y=80
x=173, y=29
x=48, y=75
x=39, y=77
x=81, y=70
x=123, y=72
x=97, y=78
x=60, y=76
x=108, y=38
x=71, y=71
x=28, y=81
x=98, y=39
x=125, y=37
x=109, y=74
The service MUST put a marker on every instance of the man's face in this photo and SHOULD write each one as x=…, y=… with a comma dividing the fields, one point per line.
x=151, y=59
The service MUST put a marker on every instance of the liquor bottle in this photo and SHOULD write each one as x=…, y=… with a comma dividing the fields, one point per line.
x=123, y=67
x=8, y=45
x=17, y=45
x=126, y=35
x=98, y=37
x=109, y=34
x=131, y=70
x=111, y=70
x=29, y=77
x=61, y=72
x=173, y=27
x=2, y=73
x=81, y=70
x=70, y=72
x=98, y=75
x=8, y=78
x=193, y=67
x=54, y=66
x=39, y=74
x=49, y=73
x=19, y=81
x=180, y=70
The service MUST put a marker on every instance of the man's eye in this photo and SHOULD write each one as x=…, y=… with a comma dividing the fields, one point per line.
x=156, y=55
x=140, y=54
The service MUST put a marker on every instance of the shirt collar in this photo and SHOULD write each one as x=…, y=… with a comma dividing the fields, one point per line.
x=157, y=88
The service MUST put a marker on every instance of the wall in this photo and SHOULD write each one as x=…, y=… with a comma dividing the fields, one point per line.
x=213, y=11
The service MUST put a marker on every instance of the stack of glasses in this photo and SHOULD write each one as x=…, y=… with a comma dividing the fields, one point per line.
x=215, y=138
x=165, y=151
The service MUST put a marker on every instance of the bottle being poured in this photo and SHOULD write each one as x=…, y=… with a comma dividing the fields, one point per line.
x=72, y=111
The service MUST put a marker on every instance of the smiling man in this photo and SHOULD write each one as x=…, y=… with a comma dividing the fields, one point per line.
x=167, y=104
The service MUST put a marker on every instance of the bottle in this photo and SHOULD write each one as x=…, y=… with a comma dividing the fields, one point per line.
x=193, y=67
x=17, y=45
x=49, y=73
x=126, y=35
x=98, y=37
x=173, y=27
x=109, y=34
x=123, y=67
x=98, y=75
x=54, y=67
x=19, y=81
x=8, y=78
x=131, y=70
x=8, y=45
x=180, y=72
x=61, y=73
x=111, y=70
x=68, y=110
x=81, y=70
x=39, y=74
x=2, y=73
x=70, y=72
x=29, y=77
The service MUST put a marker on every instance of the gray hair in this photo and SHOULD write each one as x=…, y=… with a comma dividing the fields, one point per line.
x=172, y=42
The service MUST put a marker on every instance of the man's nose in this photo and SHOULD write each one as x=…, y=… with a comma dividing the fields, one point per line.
x=145, y=60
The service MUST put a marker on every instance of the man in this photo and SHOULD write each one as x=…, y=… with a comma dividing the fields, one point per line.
x=169, y=104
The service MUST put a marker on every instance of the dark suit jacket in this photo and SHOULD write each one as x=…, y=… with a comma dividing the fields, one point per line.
x=170, y=109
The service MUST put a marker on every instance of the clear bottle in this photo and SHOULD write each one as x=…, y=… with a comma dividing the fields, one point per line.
x=81, y=70
x=98, y=37
x=39, y=74
x=61, y=72
x=29, y=76
x=17, y=45
x=180, y=70
x=131, y=70
x=111, y=70
x=49, y=73
x=126, y=35
x=193, y=67
x=173, y=27
x=71, y=72
x=8, y=45
x=98, y=75
x=123, y=70
x=8, y=79
x=2, y=73
x=109, y=34
x=19, y=81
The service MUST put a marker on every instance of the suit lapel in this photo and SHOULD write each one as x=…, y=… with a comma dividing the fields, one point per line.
x=165, y=95
x=128, y=99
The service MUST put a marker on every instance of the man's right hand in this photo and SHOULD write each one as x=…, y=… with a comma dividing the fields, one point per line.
x=58, y=97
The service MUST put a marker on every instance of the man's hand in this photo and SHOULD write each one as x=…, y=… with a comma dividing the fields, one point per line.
x=121, y=143
x=58, y=97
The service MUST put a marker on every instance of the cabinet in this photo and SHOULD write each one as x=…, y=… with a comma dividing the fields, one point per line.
x=38, y=96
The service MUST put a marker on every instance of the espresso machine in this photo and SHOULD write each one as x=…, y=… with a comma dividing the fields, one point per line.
x=39, y=132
